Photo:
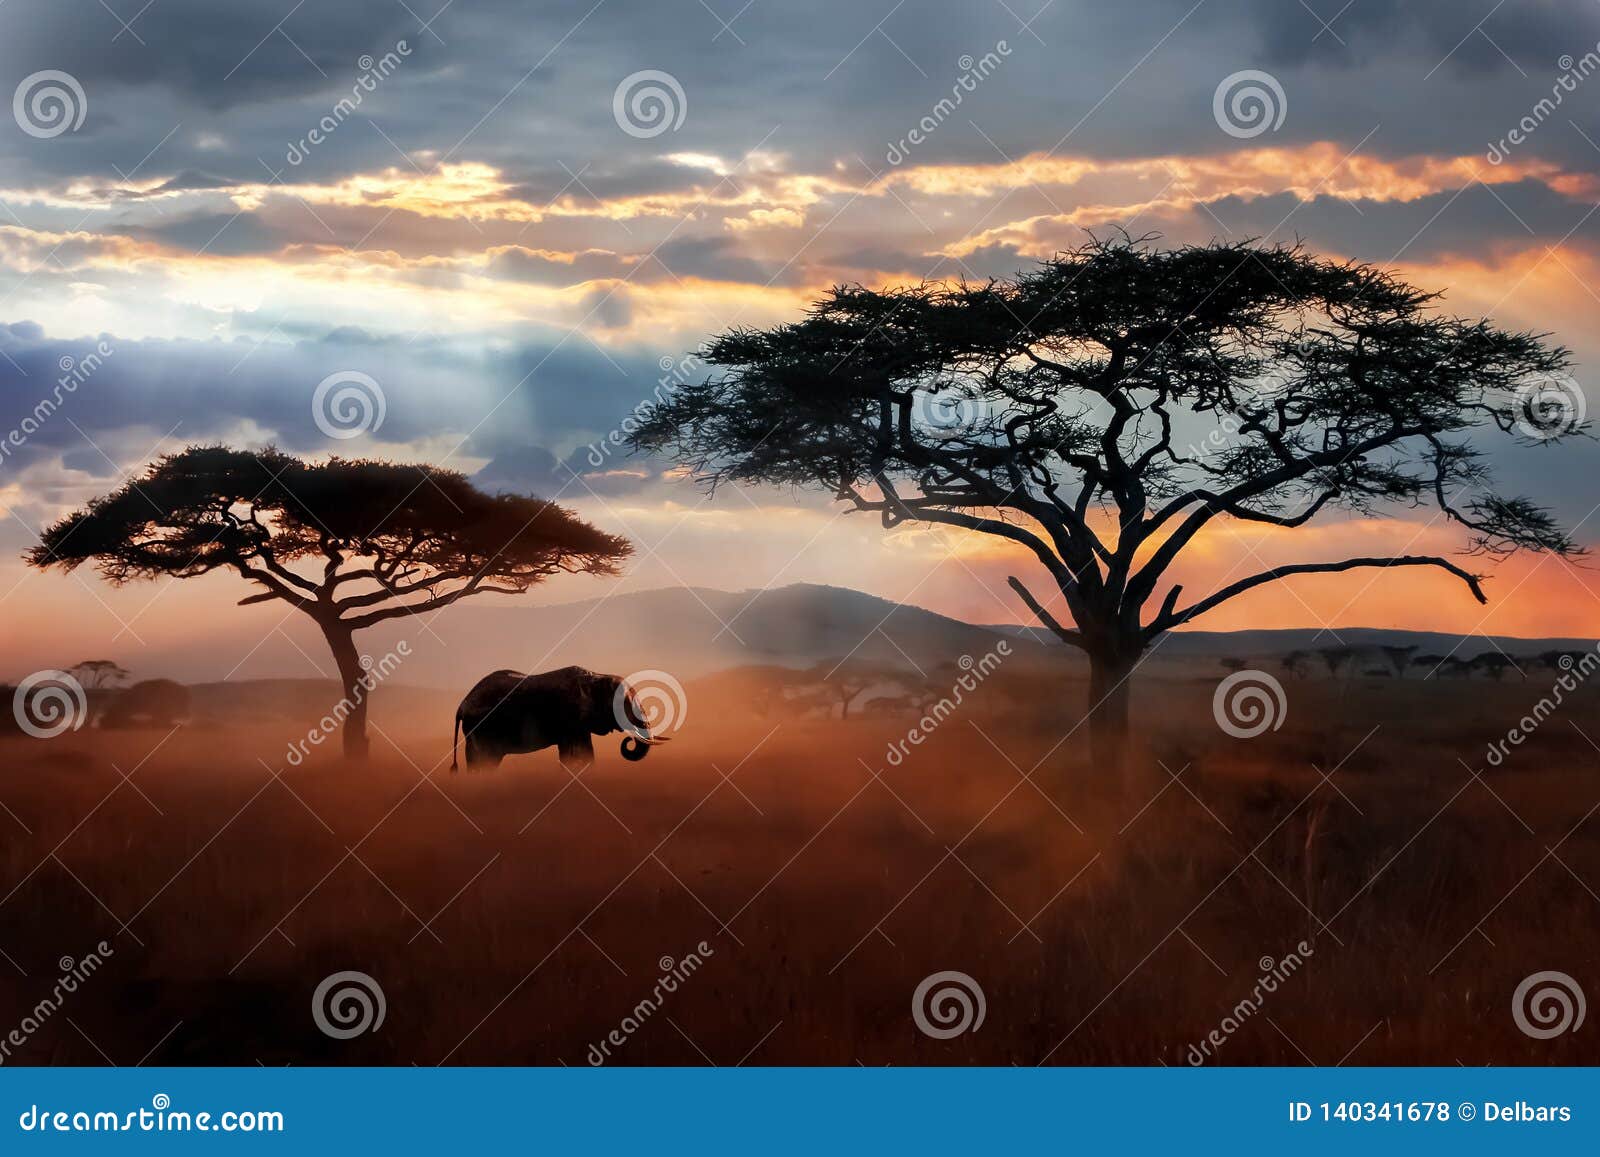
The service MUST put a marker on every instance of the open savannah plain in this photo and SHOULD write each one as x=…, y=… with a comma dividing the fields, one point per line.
x=521, y=915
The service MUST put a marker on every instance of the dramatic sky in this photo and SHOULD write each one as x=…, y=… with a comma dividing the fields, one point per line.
x=493, y=233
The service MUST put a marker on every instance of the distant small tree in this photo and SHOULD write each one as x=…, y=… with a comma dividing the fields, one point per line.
x=1495, y=665
x=349, y=543
x=1562, y=660
x=1107, y=407
x=1399, y=658
x=1429, y=663
x=97, y=673
x=1231, y=663
x=1443, y=667
x=846, y=679
x=1336, y=659
x=1294, y=662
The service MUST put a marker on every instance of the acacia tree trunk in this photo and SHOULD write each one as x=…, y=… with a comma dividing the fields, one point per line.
x=354, y=706
x=1110, y=694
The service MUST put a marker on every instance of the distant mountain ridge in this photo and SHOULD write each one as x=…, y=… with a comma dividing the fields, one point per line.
x=1244, y=644
x=696, y=631
x=691, y=632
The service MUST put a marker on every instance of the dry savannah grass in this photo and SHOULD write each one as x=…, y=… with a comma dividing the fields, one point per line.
x=519, y=917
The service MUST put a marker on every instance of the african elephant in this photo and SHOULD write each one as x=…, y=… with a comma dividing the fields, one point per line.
x=508, y=712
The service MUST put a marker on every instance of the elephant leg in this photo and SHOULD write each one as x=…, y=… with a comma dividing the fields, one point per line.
x=577, y=755
x=480, y=756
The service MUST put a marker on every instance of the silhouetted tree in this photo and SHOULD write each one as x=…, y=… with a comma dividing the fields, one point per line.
x=1558, y=660
x=1399, y=657
x=1294, y=662
x=96, y=673
x=1443, y=666
x=846, y=679
x=372, y=540
x=153, y=702
x=1336, y=659
x=1495, y=665
x=1067, y=410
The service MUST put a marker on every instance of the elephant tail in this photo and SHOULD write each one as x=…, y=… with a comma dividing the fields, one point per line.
x=455, y=740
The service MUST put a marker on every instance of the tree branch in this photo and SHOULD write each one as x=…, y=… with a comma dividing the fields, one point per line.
x=1172, y=619
x=1075, y=638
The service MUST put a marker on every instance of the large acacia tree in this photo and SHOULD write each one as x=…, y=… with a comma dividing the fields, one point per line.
x=350, y=543
x=1105, y=408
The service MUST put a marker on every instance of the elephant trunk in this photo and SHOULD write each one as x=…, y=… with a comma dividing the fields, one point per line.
x=638, y=741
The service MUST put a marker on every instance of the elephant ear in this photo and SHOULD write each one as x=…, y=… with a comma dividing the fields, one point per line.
x=606, y=688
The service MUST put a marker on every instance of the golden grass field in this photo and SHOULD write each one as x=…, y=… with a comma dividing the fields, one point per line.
x=516, y=917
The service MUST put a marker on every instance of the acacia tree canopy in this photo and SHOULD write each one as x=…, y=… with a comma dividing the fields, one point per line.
x=349, y=542
x=1105, y=407
x=98, y=673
